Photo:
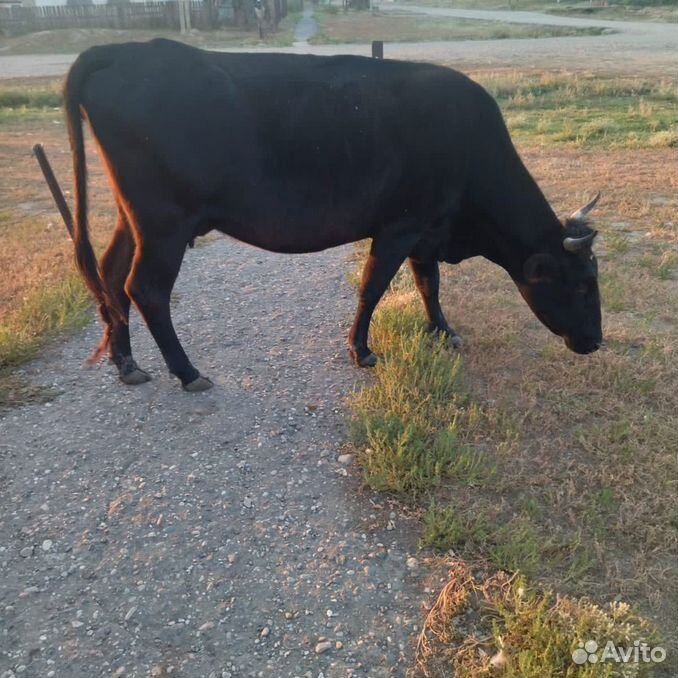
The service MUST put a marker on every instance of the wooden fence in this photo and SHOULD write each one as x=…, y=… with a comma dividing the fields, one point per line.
x=15, y=20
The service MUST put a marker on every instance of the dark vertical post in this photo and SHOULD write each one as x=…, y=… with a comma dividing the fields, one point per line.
x=54, y=188
x=378, y=49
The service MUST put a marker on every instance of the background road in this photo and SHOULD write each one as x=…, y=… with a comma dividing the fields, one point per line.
x=640, y=47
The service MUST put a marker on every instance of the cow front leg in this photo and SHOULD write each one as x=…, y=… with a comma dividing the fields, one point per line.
x=115, y=267
x=154, y=271
x=427, y=279
x=385, y=258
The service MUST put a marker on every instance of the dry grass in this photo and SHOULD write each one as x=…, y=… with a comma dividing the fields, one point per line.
x=40, y=293
x=36, y=251
x=362, y=26
x=74, y=40
x=584, y=483
x=614, y=9
x=591, y=442
x=584, y=109
x=486, y=623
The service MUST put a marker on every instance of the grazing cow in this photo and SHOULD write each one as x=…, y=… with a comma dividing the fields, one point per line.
x=301, y=153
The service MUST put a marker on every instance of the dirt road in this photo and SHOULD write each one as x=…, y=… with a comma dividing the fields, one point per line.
x=146, y=531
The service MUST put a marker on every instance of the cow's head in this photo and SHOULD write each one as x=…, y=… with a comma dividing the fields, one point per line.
x=561, y=286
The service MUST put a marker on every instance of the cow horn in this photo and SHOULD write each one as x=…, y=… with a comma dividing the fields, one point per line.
x=583, y=211
x=578, y=244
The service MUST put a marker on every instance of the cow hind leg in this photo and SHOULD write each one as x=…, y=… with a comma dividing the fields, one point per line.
x=154, y=271
x=115, y=267
x=427, y=279
x=387, y=253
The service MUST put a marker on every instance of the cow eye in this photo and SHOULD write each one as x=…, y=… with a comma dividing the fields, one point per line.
x=584, y=288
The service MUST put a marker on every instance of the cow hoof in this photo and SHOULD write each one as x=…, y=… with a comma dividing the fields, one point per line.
x=449, y=333
x=131, y=374
x=370, y=360
x=135, y=377
x=197, y=385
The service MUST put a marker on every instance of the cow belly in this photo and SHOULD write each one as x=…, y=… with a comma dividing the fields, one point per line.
x=294, y=236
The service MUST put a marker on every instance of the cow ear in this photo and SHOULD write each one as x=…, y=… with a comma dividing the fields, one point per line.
x=540, y=268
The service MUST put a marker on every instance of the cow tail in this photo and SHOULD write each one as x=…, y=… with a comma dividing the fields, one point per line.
x=85, y=258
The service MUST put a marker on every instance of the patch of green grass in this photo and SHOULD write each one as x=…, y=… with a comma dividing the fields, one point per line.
x=516, y=547
x=618, y=242
x=512, y=545
x=586, y=111
x=662, y=266
x=445, y=528
x=613, y=293
x=41, y=94
x=63, y=307
x=26, y=101
x=401, y=457
x=405, y=423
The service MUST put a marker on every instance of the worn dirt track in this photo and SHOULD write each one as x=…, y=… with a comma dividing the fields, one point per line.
x=146, y=531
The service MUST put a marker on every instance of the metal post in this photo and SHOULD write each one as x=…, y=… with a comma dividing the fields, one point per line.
x=378, y=49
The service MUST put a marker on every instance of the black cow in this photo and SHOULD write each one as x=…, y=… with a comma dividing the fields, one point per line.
x=301, y=153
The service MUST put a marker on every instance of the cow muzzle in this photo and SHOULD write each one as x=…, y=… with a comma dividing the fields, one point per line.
x=584, y=345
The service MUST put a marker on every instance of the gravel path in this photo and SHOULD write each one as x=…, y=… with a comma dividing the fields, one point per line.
x=148, y=532
x=635, y=47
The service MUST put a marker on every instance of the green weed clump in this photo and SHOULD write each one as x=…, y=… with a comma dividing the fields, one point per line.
x=499, y=625
x=405, y=424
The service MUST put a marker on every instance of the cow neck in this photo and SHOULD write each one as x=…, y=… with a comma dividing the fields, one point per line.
x=522, y=228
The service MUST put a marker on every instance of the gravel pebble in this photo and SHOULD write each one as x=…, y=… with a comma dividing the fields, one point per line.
x=323, y=646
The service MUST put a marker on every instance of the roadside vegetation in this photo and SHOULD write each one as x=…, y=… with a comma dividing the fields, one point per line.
x=75, y=40
x=586, y=110
x=623, y=10
x=335, y=26
x=526, y=459
x=41, y=295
